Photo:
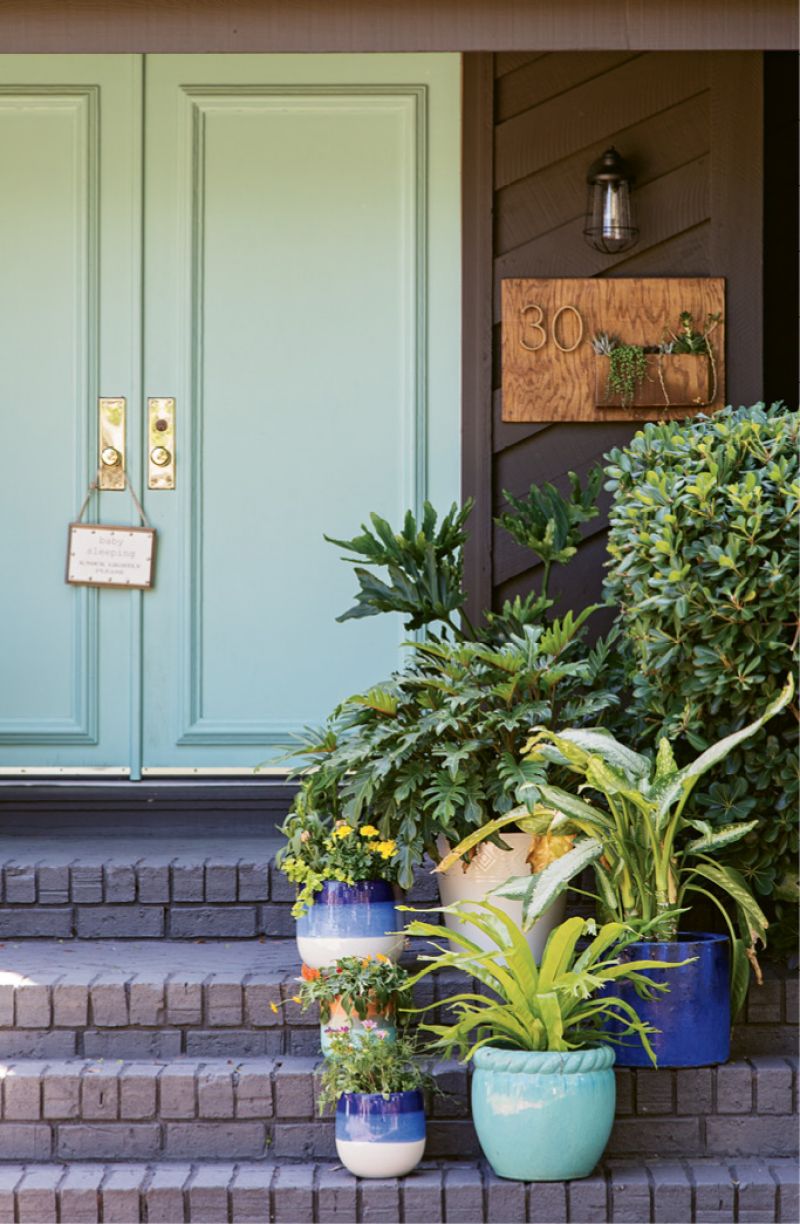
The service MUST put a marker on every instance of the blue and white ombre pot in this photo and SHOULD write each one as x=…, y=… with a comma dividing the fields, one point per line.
x=359, y=919
x=379, y=1136
x=693, y=1017
x=543, y=1116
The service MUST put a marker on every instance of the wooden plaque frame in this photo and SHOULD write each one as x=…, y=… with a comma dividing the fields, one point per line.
x=551, y=372
x=102, y=571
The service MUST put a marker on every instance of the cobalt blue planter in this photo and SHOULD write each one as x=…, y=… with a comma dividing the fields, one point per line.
x=379, y=1136
x=350, y=920
x=694, y=1016
x=543, y=1116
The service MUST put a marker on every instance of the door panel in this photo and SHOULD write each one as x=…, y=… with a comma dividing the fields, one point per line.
x=69, y=253
x=307, y=325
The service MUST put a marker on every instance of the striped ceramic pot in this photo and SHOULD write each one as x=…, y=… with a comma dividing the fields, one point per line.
x=379, y=1136
x=359, y=919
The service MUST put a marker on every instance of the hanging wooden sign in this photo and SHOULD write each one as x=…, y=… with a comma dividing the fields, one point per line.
x=103, y=556
x=560, y=336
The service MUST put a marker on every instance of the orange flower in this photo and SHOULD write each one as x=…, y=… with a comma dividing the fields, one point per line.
x=309, y=975
x=380, y=957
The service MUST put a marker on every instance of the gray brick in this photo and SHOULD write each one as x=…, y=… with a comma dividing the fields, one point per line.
x=751, y=1135
x=109, y=1141
x=672, y=1194
x=258, y=997
x=233, y=1043
x=86, y=883
x=336, y=1197
x=280, y=889
x=765, y=1002
x=79, y=1193
x=177, y=1091
x=185, y=999
x=100, y=1092
x=713, y=1191
x=164, y=1195
x=303, y=1141
x=625, y=1090
x=138, y=1091
x=109, y=1003
x=121, y=922
x=49, y=922
x=588, y=1200
x=451, y=1081
x=654, y=1092
x=734, y=1088
x=36, y=1195
x=10, y=1177
x=22, y=1092
x=122, y=1191
x=276, y=921
x=547, y=1202
x=302, y=1042
x=293, y=1194
x=791, y=989
x=33, y=1008
x=223, y=1003
x=455, y=1138
x=220, y=882
x=131, y=1043
x=423, y=1197
x=71, y=1000
x=756, y=1192
x=249, y=1193
x=152, y=880
x=253, y=881
x=207, y=1193
x=62, y=1091
x=254, y=1090
x=786, y=1176
x=505, y=1200
x=294, y=1091
x=7, y=992
x=203, y=1140
x=53, y=884
x=773, y=1085
x=20, y=884
x=25, y=1141
x=630, y=1194
x=379, y=1200
x=463, y=1196
x=694, y=1090
x=119, y=883
x=658, y=1137
x=215, y=1092
x=146, y=1001
x=187, y=881
x=207, y=922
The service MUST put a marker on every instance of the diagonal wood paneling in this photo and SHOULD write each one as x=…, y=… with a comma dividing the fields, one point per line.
x=548, y=75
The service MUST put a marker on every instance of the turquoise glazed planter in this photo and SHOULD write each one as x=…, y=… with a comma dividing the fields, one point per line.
x=543, y=1116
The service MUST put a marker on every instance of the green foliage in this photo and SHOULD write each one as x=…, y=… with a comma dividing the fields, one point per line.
x=359, y=983
x=688, y=339
x=704, y=563
x=627, y=367
x=652, y=856
x=368, y=1063
x=438, y=752
x=557, y=1005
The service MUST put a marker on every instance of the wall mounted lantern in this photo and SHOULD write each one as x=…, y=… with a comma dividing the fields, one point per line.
x=609, y=219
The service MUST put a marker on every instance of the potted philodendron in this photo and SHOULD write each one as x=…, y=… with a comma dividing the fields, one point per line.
x=650, y=857
x=346, y=892
x=355, y=995
x=377, y=1088
x=543, y=1088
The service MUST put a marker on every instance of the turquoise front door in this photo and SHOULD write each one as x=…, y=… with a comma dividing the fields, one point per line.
x=273, y=242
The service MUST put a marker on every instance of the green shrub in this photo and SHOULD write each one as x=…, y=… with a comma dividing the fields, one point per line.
x=703, y=547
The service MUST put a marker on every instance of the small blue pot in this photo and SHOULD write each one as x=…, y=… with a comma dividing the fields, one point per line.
x=694, y=1016
x=543, y=1116
x=350, y=920
x=379, y=1136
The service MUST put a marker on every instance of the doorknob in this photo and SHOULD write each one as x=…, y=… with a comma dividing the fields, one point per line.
x=161, y=443
x=111, y=434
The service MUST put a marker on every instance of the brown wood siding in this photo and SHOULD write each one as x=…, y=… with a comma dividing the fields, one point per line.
x=684, y=120
x=394, y=25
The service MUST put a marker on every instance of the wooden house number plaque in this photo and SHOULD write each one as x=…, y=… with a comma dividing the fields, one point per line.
x=551, y=371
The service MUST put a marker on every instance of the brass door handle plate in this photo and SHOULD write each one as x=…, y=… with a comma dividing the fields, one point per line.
x=111, y=435
x=161, y=443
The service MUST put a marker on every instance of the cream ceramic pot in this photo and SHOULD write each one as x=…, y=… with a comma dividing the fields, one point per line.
x=489, y=867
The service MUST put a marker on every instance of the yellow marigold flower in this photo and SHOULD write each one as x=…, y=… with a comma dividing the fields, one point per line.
x=380, y=957
x=342, y=831
x=296, y=999
x=369, y=831
x=386, y=848
x=365, y=961
x=274, y=1008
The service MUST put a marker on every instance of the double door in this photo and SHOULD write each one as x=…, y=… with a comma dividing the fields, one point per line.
x=272, y=242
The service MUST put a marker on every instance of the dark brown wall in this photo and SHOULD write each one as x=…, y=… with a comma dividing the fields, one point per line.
x=684, y=120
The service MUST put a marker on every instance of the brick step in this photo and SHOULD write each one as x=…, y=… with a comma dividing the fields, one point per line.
x=463, y=1192
x=84, y=1109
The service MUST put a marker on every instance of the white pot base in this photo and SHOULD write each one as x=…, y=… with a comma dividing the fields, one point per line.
x=380, y=1159
x=318, y=953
